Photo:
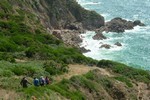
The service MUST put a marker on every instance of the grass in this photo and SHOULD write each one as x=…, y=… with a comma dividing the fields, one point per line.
x=18, y=38
x=64, y=89
x=130, y=72
x=125, y=80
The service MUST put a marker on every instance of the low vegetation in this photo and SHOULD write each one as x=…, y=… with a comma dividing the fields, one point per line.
x=129, y=72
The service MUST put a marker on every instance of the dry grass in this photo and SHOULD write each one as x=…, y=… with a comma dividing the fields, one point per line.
x=77, y=69
x=8, y=95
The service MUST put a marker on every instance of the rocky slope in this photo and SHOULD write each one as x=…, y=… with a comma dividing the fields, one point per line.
x=55, y=14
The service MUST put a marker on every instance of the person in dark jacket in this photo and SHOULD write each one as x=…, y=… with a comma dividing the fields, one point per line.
x=24, y=82
x=47, y=80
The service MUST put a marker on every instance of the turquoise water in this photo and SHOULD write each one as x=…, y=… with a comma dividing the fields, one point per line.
x=136, y=43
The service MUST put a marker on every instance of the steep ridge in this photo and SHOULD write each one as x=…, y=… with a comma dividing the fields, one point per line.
x=55, y=14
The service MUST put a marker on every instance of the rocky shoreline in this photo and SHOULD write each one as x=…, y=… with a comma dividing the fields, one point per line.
x=74, y=20
x=71, y=35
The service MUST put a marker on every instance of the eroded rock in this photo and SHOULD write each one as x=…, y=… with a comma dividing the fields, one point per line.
x=107, y=46
x=99, y=36
x=120, y=25
x=118, y=44
x=83, y=50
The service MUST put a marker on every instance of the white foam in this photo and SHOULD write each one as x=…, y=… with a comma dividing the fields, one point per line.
x=94, y=45
x=91, y=3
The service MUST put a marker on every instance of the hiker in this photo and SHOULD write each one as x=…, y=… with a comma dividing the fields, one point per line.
x=47, y=81
x=36, y=81
x=24, y=82
x=42, y=81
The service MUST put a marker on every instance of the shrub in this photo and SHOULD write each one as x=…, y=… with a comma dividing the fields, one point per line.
x=64, y=89
x=7, y=56
x=18, y=70
x=7, y=46
x=105, y=63
x=25, y=40
x=132, y=73
x=30, y=52
x=6, y=73
x=55, y=68
x=125, y=80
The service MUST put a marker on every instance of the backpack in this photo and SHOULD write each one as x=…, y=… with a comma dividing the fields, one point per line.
x=47, y=80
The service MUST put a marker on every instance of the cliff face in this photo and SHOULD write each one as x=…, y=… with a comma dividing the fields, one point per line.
x=62, y=13
x=55, y=14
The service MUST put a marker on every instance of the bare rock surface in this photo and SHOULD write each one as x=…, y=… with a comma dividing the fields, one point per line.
x=118, y=44
x=107, y=46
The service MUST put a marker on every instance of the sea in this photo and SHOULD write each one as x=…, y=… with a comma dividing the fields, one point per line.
x=135, y=49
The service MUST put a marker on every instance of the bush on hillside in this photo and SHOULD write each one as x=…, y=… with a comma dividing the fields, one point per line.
x=54, y=68
x=7, y=57
x=130, y=72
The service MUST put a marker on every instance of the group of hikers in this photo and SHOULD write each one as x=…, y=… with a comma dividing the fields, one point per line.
x=37, y=82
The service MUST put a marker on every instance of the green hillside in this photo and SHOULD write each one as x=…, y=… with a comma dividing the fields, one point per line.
x=28, y=48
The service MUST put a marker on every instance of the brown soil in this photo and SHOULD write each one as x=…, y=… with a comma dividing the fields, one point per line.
x=80, y=70
x=143, y=92
x=8, y=95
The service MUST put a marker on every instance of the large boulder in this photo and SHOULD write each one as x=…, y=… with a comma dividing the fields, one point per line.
x=138, y=22
x=69, y=37
x=74, y=26
x=76, y=39
x=118, y=44
x=99, y=36
x=107, y=46
x=83, y=50
x=118, y=25
x=57, y=33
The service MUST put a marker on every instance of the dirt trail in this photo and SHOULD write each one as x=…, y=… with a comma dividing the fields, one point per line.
x=143, y=92
x=8, y=95
x=73, y=70
x=80, y=70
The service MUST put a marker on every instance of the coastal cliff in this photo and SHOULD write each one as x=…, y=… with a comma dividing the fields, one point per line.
x=54, y=14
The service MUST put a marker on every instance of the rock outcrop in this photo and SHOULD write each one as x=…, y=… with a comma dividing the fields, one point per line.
x=107, y=46
x=74, y=26
x=67, y=13
x=138, y=22
x=83, y=50
x=99, y=36
x=58, y=14
x=119, y=25
x=70, y=37
x=90, y=19
x=118, y=44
